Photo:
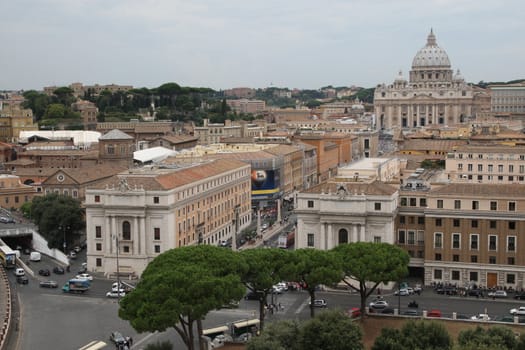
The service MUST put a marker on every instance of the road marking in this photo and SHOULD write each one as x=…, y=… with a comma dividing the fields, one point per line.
x=302, y=306
x=94, y=345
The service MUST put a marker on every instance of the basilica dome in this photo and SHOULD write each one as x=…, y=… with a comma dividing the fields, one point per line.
x=431, y=55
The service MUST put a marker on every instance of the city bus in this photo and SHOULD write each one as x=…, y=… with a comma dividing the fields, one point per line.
x=246, y=326
x=7, y=257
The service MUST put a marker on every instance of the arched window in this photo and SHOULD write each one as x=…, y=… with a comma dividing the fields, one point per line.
x=126, y=231
x=343, y=236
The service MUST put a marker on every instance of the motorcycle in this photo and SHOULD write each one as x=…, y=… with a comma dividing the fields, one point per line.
x=413, y=304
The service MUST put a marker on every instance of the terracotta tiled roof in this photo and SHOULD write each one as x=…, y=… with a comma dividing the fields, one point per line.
x=23, y=161
x=481, y=190
x=432, y=145
x=65, y=153
x=115, y=134
x=179, y=138
x=242, y=156
x=166, y=179
x=282, y=150
x=492, y=149
x=93, y=173
x=35, y=171
x=353, y=188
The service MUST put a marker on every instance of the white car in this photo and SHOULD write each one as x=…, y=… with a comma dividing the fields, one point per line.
x=114, y=294
x=378, y=304
x=84, y=276
x=481, y=317
x=402, y=292
x=498, y=294
x=518, y=311
x=19, y=272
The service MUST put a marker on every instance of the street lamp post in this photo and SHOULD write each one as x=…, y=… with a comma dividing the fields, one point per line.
x=64, y=228
x=118, y=270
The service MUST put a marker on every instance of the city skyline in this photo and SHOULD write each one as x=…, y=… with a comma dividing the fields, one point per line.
x=296, y=44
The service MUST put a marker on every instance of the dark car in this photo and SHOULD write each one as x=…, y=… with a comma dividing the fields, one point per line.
x=253, y=296
x=520, y=296
x=475, y=293
x=58, y=270
x=48, y=284
x=388, y=311
x=44, y=272
x=22, y=279
x=410, y=312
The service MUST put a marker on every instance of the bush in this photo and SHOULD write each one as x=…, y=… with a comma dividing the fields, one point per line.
x=165, y=345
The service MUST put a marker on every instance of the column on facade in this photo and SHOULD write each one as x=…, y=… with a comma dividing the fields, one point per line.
x=355, y=238
x=114, y=235
x=330, y=237
x=135, y=235
x=322, y=239
x=142, y=236
x=108, y=234
x=279, y=215
x=362, y=234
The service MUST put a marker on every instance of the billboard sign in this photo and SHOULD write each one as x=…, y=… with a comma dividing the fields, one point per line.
x=265, y=182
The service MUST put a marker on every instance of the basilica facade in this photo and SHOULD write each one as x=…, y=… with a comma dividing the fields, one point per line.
x=432, y=95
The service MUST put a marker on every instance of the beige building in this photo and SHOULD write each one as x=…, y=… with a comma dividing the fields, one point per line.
x=508, y=99
x=88, y=112
x=14, y=119
x=338, y=212
x=247, y=106
x=433, y=94
x=487, y=164
x=140, y=213
x=13, y=193
x=472, y=235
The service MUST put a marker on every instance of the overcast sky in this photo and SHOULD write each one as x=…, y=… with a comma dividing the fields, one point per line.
x=256, y=43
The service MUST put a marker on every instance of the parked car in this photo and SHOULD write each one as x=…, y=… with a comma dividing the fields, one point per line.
x=518, y=311
x=434, y=313
x=354, y=312
x=115, y=294
x=84, y=276
x=58, y=270
x=410, y=312
x=475, y=292
x=77, y=249
x=48, y=284
x=22, y=279
x=402, y=292
x=378, y=304
x=319, y=303
x=388, y=310
x=7, y=220
x=520, y=296
x=44, y=272
x=481, y=317
x=252, y=296
x=498, y=294
x=117, y=338
x=72, y=255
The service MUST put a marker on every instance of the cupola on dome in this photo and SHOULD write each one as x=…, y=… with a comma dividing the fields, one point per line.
x=431, y=55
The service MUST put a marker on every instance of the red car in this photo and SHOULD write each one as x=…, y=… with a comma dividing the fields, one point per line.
x=434, y=313
x=354, y=312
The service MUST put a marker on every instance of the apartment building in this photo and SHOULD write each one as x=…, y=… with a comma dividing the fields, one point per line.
x=487, y=164
x=13, y=193
x=472, y=235
x=508, y=99
x=14, y=119
x=135, y=216
x=247, y=106
x=88, y=113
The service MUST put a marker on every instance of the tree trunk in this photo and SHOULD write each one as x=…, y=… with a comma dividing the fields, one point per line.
x=202, y=343
x=262, y=304
x=312, y=308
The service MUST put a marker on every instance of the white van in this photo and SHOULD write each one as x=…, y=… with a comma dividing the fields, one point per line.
x=35, y=256
x=19, y=272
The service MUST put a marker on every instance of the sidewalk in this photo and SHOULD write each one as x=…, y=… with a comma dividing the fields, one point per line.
x=271, y=232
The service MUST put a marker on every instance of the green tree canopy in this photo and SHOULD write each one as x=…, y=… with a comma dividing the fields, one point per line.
x=330, y=330
x=57, y=216
x=421, y=335
x=180, y=287
x=368, y=262
x=316, y=267
x=55, y=111
x=265, y=268
x=496, y=337
x=281, y=335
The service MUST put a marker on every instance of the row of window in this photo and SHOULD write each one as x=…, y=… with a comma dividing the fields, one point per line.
x=474, y=242
x=474, y=205
x=500, y=178
x=490, y=168
x=500, y=156
x=493, y=224
x=455, y=275
x=474, y=259
x=377, y=205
